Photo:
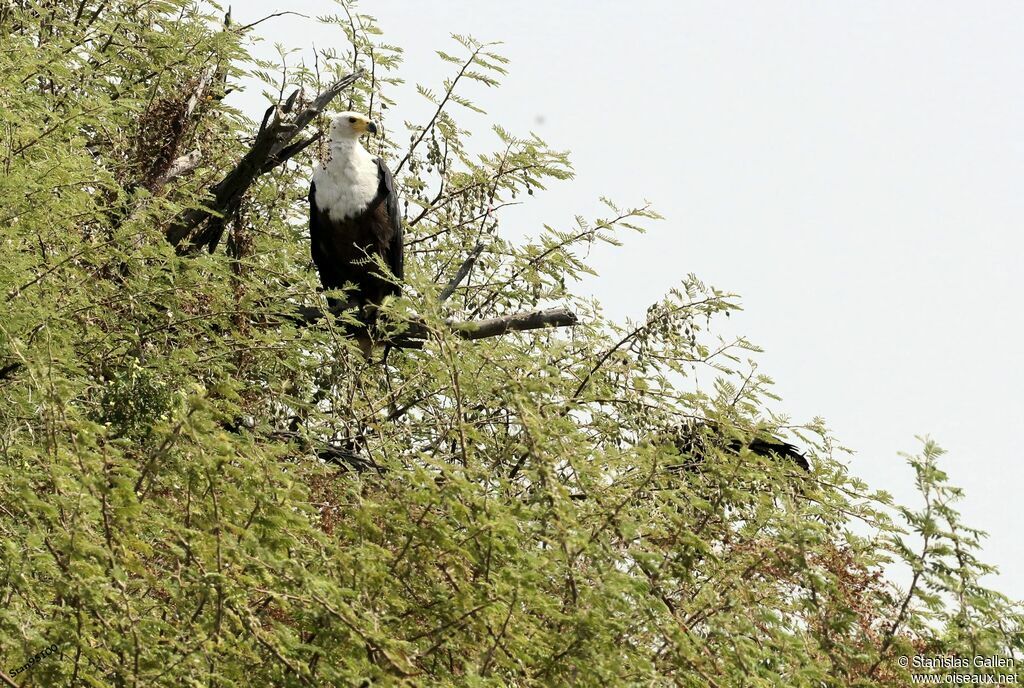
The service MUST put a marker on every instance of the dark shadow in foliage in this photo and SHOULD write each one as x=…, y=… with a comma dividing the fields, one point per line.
x=341, y=453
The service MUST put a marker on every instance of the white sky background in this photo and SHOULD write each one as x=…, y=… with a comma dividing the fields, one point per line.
x=852, y=169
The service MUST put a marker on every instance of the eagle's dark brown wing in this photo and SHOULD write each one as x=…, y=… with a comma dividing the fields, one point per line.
x=316, y=232
x=389, y=199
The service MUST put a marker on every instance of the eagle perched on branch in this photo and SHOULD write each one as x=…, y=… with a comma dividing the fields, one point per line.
x=354, y=221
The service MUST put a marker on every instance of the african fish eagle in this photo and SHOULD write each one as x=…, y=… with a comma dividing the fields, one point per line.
x=354, y=217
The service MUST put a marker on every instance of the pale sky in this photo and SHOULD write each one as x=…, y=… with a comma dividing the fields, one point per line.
x=852, y=169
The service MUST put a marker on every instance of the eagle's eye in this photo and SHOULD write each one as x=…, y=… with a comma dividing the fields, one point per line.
x=351, y=120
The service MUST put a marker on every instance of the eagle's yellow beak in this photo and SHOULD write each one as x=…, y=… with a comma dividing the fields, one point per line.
x=363, y=126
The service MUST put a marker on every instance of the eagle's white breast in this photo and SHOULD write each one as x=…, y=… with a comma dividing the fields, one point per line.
x=347, y=181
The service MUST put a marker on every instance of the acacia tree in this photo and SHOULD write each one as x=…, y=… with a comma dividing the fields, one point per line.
x=203, y=482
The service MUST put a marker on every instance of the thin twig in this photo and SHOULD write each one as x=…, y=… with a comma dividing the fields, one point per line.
x=633, y=334
x=440, y=108
x=271, y=16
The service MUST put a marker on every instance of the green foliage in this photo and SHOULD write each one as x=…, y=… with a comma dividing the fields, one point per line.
x=132, y=400
x=196, y=490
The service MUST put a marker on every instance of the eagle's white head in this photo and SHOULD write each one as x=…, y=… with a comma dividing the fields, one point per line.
x=347, y=177
x=348, y=126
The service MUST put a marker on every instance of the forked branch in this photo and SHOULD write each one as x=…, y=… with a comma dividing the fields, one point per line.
x=273, y=145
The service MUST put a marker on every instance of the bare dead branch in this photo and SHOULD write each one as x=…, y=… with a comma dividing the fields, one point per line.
x=200, y=91
x=289, y=104
x=417, y=333
x=203, y=227
x=289, y=152
x=464, y=269
x=517, y=322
